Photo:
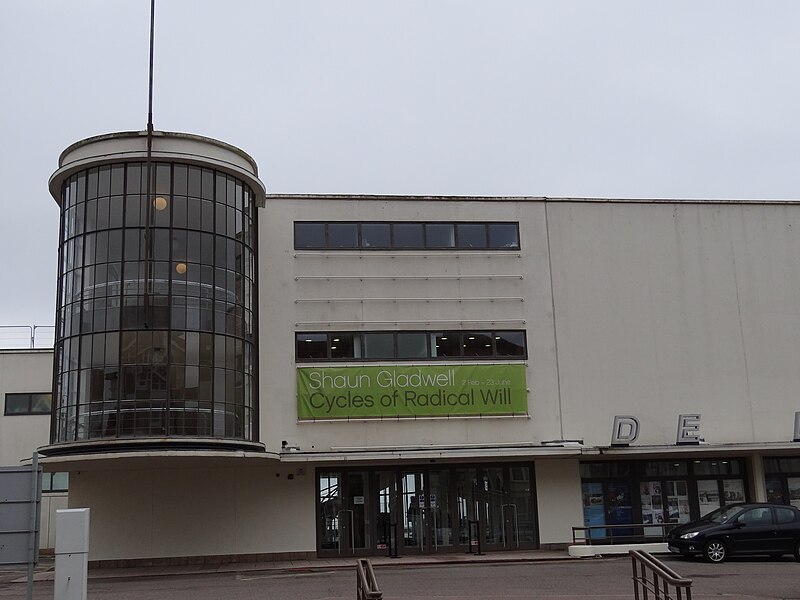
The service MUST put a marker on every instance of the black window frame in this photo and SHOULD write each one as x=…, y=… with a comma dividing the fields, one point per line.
x=30, y=410
x=360, y=244
x=358, y=337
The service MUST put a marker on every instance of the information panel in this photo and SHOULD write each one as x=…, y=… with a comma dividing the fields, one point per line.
x=410, y=391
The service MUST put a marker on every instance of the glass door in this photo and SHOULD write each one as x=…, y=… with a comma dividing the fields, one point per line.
x=343, y=513
x=467, y=507
x=414, y=513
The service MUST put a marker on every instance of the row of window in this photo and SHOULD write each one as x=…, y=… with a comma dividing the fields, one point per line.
x=406, y=236
x=179, y=212
x=155, y=348
x=178, y=246
x=137, y=420
x=28, y=404
x=173, y=179
x=162, y=312
x=410, y=345
x=203, y=281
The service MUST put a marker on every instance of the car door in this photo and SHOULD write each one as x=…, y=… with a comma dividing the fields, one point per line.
x=788, y=527
x=754, y=532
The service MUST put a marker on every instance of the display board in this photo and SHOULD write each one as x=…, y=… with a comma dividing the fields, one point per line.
x=410, y=391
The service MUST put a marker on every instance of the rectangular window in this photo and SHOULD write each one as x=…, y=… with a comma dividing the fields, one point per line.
x=471, y=235
x=406, y=235
x=309, y=235
x=408, y=345
x=376, y=235
x=29, y=404
x=55, y=482
x=378, y=345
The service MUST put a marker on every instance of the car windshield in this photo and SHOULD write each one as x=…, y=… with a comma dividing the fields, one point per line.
x=723, y=514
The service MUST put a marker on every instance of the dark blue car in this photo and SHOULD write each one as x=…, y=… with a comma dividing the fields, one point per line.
x=755, y=528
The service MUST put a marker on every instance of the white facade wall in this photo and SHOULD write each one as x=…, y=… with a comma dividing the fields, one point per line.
x=651, y=309
x=28, y=371
x=175, y=509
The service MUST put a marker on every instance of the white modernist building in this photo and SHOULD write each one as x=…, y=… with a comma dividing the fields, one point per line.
x=240, y=375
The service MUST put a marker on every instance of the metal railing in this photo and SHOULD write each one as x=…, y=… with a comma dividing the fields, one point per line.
x=652, y=577
x=16, y=337
x=627, y=533
x=366, y=584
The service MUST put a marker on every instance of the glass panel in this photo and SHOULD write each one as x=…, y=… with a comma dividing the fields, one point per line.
x=440, y=235
x=413, y=500
x=793, y=485
x=677, y=499
x=775, y=494
x=438, y=509
x=510, y=343
x=17, y=404
x=407, y=235
x=342, y=235
x=594, y=513
x=312, y=345
x=345, y=345
x=503, y=236
x=357, y=503
x=386, y=504
x=446, y=343
x=309, y=235
x=494, y=526
x=412, y=345
x=665, y=468
x=467, y=505
x=330, y=506
x=471, y=235
x=708, y=495
x=717, y=467
x=520, y=505
x=378, y=345
x=375, y=235
x=477, y=344
x=652, y=503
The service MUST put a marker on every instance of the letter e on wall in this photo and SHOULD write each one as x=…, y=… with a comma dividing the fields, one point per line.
x=688, y=429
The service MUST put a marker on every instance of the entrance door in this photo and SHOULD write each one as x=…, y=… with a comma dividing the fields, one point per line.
x=343, y=513
x=427, y=517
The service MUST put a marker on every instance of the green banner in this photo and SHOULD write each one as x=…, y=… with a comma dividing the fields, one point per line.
x=410, y=391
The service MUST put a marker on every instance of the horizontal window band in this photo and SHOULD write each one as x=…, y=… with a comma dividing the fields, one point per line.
x=454, y=299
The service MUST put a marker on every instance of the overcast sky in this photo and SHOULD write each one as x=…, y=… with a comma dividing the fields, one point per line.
x=683, y=99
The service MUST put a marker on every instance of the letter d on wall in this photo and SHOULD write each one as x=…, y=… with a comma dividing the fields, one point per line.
x=626, y=430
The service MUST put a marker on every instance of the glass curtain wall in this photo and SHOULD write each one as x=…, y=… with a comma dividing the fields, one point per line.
x=155, y=321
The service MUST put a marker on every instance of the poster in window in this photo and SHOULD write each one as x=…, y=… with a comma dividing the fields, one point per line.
x=734, y=490
x=650, y=498
x=593, y=509
x=707, y=495
x=794, y=491
x=677, y=502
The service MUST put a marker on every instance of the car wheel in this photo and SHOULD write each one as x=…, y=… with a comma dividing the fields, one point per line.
x=797, y=550
x=715, y=551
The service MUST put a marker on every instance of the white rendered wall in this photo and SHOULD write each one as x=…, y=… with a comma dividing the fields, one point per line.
x=23, y=371
x=661, y=309
x=558, y=499
x=196, y=511
x=665, y=309
x=285, y=292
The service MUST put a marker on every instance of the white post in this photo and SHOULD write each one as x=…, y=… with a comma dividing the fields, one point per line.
x=72, y=554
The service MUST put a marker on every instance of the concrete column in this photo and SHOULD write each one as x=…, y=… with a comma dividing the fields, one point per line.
x=758, y=486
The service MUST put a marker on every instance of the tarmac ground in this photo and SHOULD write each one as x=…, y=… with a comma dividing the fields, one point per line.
x=512, y=575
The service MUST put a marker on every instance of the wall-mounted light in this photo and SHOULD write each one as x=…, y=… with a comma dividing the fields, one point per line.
x=180, y=268
x=159, y=203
